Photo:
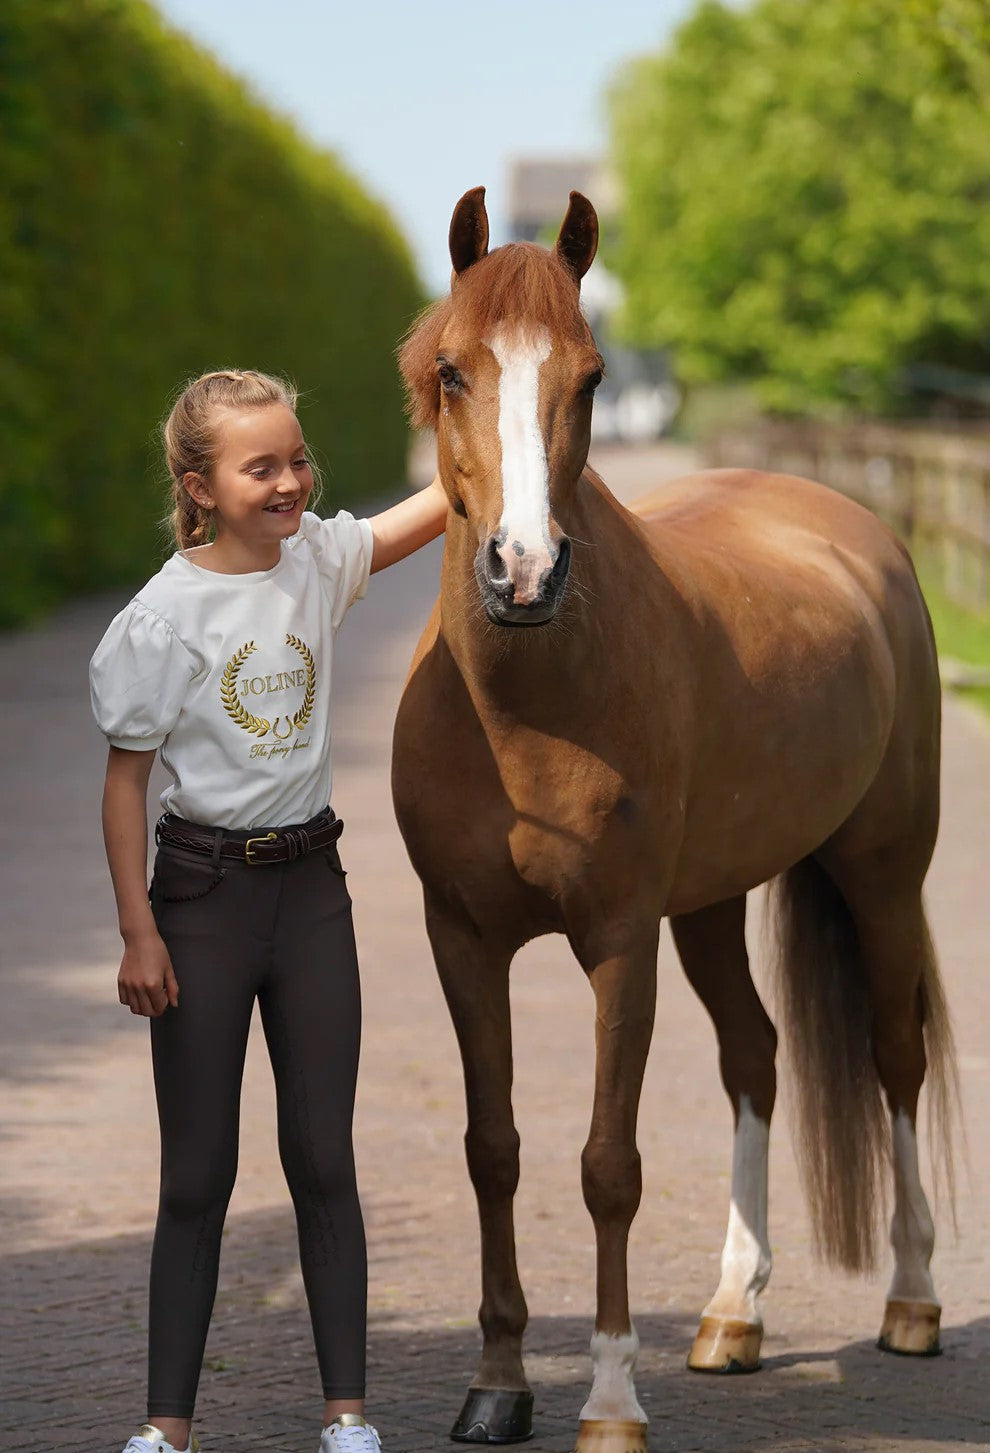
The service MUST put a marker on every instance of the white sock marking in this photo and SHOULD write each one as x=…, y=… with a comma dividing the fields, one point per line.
x=912, y=1233
x=746, y=1258
x=613, y=1392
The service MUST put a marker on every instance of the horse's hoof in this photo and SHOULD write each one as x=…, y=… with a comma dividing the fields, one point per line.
x=911, y=1329
x=724, y=1344
x=607, y=1435
x=494, y=1415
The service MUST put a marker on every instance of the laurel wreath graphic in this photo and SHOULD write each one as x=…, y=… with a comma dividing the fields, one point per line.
x=258, y=725
x=302, y=716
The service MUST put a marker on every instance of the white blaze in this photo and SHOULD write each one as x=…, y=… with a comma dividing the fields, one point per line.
x=613, y=1393
x=524, y=529
x=912, y=1233
x=746, y=1257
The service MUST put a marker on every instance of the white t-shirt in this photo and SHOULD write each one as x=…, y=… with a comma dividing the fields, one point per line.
x=230, y=676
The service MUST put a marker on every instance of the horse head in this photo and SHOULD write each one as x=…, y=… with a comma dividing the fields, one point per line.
x=505, y=369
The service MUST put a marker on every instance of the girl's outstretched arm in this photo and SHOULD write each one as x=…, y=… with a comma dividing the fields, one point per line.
x=408, y=525
x=146, y=983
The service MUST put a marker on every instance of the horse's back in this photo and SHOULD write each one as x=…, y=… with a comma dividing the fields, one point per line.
x=777, y=543
x=764, y=519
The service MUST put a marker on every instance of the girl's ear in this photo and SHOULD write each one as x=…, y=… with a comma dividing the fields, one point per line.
x=198, y=490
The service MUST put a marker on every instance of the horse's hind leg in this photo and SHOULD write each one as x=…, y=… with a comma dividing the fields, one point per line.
x=907, y=1007
x=712, y=948
x=474, y=974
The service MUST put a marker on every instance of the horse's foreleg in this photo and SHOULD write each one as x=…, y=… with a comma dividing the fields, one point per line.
x=475, y=979
x=624, y=985
x=712, y=948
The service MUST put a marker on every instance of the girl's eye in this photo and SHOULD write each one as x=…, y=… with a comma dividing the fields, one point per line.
x=258, y=473
x=300, y=463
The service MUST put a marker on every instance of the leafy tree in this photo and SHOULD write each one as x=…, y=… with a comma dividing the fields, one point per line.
x=806, y=187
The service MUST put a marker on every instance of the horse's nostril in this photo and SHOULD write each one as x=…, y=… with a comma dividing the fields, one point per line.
x=494, y=564
x=563, y=561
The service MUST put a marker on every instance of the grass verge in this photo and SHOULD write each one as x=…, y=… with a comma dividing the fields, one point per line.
x=962, y=635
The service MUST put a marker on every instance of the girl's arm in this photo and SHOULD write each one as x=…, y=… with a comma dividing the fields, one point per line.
x=408, y=525
x=146, y=982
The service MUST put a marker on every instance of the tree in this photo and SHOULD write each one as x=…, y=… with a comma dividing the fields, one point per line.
x=805, y=195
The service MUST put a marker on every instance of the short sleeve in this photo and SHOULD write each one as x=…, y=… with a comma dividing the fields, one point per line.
x=138, y=679
x=342, y=548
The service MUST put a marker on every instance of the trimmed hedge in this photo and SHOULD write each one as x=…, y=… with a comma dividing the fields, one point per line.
x=155, y=222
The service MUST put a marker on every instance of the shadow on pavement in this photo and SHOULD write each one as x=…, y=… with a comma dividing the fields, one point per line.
x=73, y=1334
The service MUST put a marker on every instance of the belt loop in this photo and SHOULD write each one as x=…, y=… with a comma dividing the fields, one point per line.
x=217, y=845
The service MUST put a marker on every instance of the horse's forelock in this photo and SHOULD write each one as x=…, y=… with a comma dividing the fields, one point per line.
x=519, y=283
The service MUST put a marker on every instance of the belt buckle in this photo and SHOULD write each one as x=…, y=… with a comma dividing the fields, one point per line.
x=249, y=857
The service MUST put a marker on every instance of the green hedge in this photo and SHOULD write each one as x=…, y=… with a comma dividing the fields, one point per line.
x=156, y=221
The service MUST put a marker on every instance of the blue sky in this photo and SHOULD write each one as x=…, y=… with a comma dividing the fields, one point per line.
x=423, y=100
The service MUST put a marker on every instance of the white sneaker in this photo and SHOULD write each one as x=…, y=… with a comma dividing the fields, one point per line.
x=349, y=1433
x=149, y=1439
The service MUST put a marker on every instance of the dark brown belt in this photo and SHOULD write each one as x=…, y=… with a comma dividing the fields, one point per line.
x=280, y=845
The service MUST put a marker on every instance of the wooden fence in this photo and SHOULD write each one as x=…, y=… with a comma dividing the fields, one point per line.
x=931, y=486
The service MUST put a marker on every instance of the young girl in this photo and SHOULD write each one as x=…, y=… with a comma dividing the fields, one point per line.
x=222, y=663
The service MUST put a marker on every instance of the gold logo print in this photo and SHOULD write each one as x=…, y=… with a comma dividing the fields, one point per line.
x=302, y=716
x=258, y=725
x=228, y=693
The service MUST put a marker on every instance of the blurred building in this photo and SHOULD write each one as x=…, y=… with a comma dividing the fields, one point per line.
x=638, y=398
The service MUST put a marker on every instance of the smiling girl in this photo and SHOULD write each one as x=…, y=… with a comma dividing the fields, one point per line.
x=222, y=664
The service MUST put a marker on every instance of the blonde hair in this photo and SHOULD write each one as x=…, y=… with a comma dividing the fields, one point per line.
x=192, y=443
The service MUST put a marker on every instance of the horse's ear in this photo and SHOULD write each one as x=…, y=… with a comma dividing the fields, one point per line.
x=577, y=242
x=469, y=230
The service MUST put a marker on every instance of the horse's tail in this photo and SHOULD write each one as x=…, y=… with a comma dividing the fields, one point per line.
x=842, y=1133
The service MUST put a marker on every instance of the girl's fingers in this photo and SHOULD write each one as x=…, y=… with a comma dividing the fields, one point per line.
x=158, y=999
x=144, y=1004
x=171, y=987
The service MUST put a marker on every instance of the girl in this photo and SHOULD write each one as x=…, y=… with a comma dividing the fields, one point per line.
x=222, y=663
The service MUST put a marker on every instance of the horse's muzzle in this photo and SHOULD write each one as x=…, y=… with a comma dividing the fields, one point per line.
x=515, y=590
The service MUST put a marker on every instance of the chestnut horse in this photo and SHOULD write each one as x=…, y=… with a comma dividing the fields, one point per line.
x=617, y=714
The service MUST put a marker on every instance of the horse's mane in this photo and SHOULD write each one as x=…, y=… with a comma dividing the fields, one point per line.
x=519, y=281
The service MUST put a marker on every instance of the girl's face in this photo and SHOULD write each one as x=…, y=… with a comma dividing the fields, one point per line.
x=261, y=480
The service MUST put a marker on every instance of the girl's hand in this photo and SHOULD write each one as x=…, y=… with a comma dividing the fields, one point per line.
x=146, y=982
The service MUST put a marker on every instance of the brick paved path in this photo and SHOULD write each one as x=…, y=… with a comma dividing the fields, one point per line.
x=80, y=1157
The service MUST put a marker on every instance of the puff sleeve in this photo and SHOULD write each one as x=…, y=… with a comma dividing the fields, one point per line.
x=138, y=679
x=342, y=548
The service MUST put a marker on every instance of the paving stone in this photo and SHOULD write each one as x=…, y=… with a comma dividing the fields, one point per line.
x=79, y=1173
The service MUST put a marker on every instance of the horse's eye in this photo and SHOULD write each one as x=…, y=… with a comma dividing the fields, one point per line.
x=591, y=383
x=450, y=379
